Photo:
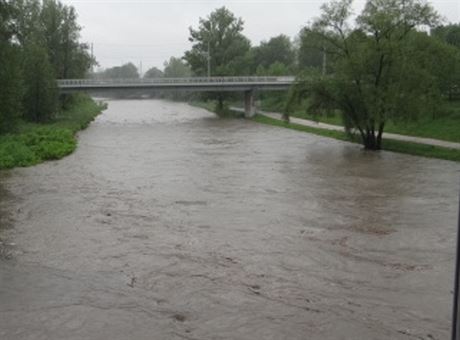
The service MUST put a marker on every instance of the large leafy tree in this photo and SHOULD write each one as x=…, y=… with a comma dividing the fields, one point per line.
x=125, y=71
x=277, y=50
x=40, y=100
x=311, y=50
x=10, y=71
x=69, y=57
x=153, y=72
x=218, y=37
x=220, y=34
x=39, y=41
x=377, y=73
x=175, y=67
x=449, y=34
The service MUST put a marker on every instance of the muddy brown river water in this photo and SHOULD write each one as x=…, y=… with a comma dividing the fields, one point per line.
x=168, y=223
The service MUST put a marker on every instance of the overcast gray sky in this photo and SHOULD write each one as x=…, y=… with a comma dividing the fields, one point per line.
x=151, y=31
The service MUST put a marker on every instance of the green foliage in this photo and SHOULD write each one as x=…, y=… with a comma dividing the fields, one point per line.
x=310, y=50
x=153, y=73
x=378, y=71
x=450, y=81
x=443, y=127
x=176, y=68
x=276, y=51
x=126, y=71
x=55, y=24
x=449, y=34
x=39, y=41
x=40, y=93
x=11, y=87
x=220, y=33
x=69, y=57
x=7, y=22
x=218, y=38
x=389, y=145
x=15, y=153
x=34, y=143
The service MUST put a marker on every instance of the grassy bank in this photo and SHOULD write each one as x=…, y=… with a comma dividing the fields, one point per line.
x=388, y=144
x=445, y=127
x=33, y=143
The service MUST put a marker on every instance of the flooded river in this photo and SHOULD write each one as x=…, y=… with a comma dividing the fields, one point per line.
x=168, y=223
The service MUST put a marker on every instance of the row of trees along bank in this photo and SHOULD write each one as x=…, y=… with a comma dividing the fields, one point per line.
x=39, y=43
x=392, y=64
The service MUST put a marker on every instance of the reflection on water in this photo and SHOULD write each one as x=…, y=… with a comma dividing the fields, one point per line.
x=168, y=222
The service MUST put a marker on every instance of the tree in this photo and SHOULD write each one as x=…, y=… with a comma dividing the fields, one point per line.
x=7, y=22
x=311, y=50
x=69, y=57
x=39, y=41
x=153, y=73
x=176, y=68
x=376, y=74
x=448, y=33
x=40, y=97
x=221, y=33
x=218, y=38
x=126, y=71
x=10, y=71
x=276, y=50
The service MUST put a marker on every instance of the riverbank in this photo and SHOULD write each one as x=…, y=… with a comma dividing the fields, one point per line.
x=444, y=127
x=35, y=143
x=388, y=144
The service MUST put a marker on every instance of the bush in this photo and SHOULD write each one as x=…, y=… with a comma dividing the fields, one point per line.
x=34, y=143
x=14, y=153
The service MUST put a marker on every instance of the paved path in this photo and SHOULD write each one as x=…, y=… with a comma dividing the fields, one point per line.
x=420, y=140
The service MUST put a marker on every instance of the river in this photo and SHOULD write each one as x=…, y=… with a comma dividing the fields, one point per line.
x=168, y=223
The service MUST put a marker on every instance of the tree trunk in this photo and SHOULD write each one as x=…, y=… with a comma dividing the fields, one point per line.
x=379, y=136
x=370, y=141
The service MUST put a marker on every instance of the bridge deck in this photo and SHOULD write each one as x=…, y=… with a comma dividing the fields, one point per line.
x=192, y=83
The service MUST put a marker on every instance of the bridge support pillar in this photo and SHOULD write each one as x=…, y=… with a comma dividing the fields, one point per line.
x=249, y=104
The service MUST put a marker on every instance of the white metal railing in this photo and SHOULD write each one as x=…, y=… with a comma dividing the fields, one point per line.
x=183, y=81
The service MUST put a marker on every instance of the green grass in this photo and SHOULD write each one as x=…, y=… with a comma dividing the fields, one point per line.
x=34, y=143
x=388, y=144
x=445, y=127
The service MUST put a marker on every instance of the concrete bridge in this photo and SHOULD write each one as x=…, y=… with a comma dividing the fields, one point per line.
x=248, y=85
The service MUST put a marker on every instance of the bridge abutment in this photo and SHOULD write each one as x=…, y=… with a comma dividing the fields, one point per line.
x=249, y=104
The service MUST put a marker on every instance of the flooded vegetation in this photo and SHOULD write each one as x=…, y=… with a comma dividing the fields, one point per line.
x=171, y=223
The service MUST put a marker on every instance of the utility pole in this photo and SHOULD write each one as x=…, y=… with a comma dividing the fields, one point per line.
x=140, y=69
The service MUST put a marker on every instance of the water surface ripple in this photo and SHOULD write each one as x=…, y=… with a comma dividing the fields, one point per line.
x=168, y=223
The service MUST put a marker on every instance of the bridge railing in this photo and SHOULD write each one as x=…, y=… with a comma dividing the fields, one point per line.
x=189, y=80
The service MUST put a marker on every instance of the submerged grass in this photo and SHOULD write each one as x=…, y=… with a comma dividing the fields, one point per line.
x=34, y=143
x=388, y=144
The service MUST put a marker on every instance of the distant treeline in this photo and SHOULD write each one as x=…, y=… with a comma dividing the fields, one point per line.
x=394, y=45
x=39, y=43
